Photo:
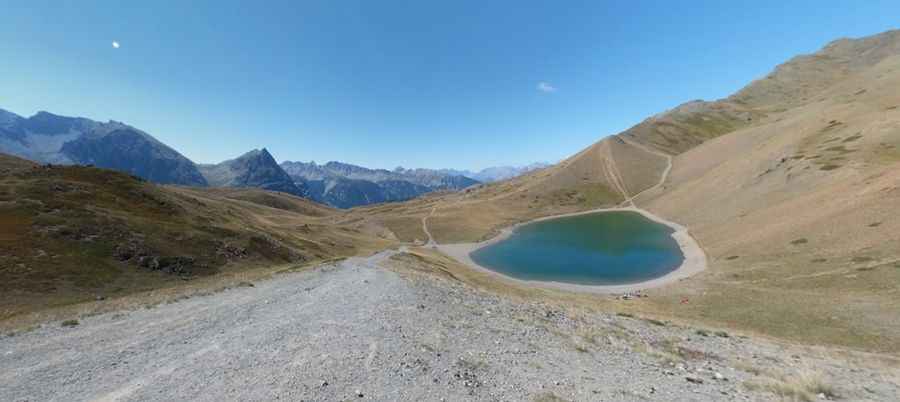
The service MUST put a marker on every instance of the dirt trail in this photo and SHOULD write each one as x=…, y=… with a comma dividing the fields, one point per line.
x=355, y=331
x=663, y=177
x=431, y=242
x=613, y=175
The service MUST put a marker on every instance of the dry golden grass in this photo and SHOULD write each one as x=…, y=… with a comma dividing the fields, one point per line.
x=790, y=186
x=804, y=385
x=798, y=251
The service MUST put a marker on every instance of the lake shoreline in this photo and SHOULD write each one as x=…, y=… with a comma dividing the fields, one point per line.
x=694, y=257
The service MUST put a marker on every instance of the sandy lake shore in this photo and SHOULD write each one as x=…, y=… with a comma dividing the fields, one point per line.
x=694, y=257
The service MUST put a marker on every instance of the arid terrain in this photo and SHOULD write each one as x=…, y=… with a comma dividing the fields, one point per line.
x=790, y=186
x=395, y=326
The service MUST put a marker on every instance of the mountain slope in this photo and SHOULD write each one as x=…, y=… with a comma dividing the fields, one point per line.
x=621, y=166
x=797, y=214
x=257, y=169
x=48, y=138
x=790, y=185
x=72, y=233
x=134, y=152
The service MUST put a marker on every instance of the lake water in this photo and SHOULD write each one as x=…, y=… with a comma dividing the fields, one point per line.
x=604, y=248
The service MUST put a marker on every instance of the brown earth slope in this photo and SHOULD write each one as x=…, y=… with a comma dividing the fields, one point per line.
x=73, y=234
x=790, y=185
x=798, y=215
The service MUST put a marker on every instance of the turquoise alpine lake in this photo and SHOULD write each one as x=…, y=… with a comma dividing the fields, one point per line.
x=602, y=248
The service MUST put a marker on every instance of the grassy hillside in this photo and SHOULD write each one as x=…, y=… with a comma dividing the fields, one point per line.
x=790, y=185
x=798, y=216
x=72, y=234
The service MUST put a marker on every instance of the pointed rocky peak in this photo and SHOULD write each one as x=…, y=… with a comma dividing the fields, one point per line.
x=264, y=154
x=253, y=156
x=256, y=168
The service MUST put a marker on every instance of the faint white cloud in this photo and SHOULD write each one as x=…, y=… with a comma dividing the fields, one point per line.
x=115, y=45
x=545, y=87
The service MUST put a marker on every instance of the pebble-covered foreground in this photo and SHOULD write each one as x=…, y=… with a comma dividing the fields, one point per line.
x=359, y=332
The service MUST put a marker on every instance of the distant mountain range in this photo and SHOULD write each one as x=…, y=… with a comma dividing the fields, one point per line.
x=497, y=173
x=343, y=185
x=49, y=138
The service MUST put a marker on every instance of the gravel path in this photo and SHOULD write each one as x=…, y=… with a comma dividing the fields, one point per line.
x=359, y=332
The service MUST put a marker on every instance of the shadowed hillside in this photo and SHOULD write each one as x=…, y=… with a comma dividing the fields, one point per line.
x=70, y=234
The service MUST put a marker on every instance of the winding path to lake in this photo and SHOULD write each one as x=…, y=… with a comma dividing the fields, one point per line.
x=603, y=248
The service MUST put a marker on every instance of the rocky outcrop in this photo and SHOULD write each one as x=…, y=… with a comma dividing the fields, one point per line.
x=257, y=169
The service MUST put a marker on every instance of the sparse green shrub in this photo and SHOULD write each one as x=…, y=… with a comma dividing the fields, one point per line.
x=70, y=323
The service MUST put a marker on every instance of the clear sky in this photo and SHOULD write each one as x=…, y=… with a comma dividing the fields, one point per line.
x=462, y=84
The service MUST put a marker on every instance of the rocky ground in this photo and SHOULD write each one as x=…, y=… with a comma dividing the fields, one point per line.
x=359, y=331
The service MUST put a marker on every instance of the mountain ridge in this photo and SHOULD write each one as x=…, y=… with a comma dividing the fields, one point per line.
x=49, y=138
x=257, y=169
x=344, y=185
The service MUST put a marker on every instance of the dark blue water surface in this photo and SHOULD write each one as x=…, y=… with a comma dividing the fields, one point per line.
x=604, y=248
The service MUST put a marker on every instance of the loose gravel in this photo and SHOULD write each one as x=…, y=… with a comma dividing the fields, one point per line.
x=357, y=331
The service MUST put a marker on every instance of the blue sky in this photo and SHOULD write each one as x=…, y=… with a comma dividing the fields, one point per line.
x=462, y=84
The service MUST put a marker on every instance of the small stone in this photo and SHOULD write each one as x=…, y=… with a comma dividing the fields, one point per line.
x=695, y=380
x=719, y=376
x=359, y=393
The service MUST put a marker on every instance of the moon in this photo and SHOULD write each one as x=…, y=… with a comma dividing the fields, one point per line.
x=115, y=45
